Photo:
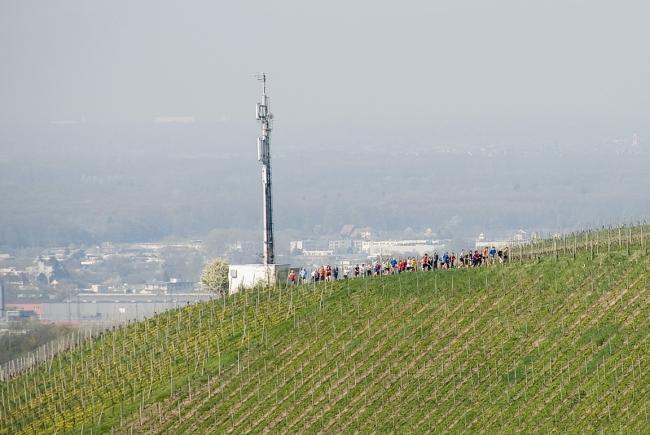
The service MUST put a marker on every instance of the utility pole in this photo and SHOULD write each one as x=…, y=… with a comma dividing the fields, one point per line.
x=265, y=117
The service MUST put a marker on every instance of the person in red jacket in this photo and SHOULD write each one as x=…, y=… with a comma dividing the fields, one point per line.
x=425, y=262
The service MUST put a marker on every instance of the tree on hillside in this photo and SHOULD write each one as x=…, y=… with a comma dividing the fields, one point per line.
x=215, y=276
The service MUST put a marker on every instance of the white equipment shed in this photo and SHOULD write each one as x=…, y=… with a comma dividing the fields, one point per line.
x=248, y=275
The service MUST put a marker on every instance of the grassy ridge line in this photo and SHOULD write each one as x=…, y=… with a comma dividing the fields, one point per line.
x=585, y=275
x=448, y=344
x=193, y=337
x=596, y=241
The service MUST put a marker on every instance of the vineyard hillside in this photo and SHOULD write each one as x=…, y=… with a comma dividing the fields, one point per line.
x=556, y=340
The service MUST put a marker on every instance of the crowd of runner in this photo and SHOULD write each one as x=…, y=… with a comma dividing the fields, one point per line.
x=392, y=266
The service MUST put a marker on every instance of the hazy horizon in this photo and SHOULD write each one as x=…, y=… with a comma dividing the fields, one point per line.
x=136, y=120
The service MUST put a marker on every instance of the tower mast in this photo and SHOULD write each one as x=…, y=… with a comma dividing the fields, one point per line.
x=265, y=117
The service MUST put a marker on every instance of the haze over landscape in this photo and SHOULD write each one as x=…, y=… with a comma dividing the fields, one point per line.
x=134, y=122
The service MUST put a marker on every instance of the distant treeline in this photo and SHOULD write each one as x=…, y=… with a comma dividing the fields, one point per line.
x=24, y=337
x=87, y=185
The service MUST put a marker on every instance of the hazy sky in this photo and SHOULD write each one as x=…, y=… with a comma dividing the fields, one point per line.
x=430, y=112
x=521, y=65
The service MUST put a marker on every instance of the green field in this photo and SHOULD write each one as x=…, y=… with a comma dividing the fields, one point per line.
x=557, y=340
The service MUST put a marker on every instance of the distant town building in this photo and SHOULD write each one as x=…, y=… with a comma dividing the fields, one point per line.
x=91, y=260
x=98, y=288
x=171, y=286
x=400, y=247
x=22, y=311
x=344, y=245
x=46, y=269
x=297, y=246
x=241, y=247
x=318, y=253
x=518, y=238
x=11, y=275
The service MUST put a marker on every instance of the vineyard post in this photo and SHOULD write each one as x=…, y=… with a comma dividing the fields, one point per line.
x=525, y=251
x=171, y=380
x=609, y=238
x=597, y=242
x=620, y=240
x=629, y=239
x=575, y=244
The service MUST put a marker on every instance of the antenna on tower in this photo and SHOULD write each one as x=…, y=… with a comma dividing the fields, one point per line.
x=265, y=117
x=269, y=273
x=262, y=78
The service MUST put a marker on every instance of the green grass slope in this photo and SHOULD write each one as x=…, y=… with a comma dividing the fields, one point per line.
x=535, y=346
